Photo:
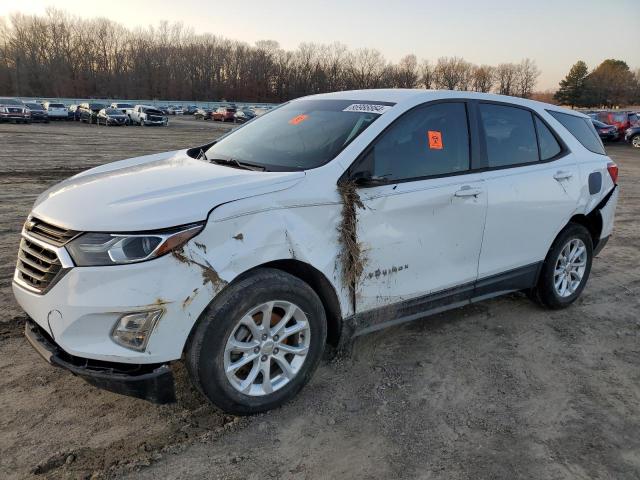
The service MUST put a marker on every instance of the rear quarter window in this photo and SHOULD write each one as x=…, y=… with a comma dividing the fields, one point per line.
x=582, y=129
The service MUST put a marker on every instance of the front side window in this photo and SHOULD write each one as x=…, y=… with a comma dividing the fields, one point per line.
x=509, y=134
x=549, y=146
x=582, y=129
x=300, y=135
x=428, y=141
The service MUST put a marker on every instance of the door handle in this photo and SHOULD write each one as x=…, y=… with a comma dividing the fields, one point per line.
x=562, y=175
x=467, y=191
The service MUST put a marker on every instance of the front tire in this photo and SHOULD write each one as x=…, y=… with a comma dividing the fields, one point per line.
x=635, y=141
x=244, y=365
x=566, y=269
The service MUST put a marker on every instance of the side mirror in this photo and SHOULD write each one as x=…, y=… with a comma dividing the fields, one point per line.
x=363, y=178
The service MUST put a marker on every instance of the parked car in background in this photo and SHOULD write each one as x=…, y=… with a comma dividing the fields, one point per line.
x=203, y=114
x=89, y=111
x=164, y=109
x=244, y=115
x=607, y=133
x=56, y=110
x=632, y=135
x=224, y=114
x=146, y=115
x=112, y=116
x=38, y=112
x=621, y=120
x=71, y=112
x=14, y=110
x=125, y=108
x=191, y=109
x=226, y=255
x=173, y=110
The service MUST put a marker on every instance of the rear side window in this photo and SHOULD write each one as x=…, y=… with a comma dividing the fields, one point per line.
x=582, y=129
x=510, y=135
x=549, y=146
x=427, y=141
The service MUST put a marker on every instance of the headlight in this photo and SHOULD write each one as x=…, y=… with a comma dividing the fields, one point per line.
x=4, y=110
x=94, y=249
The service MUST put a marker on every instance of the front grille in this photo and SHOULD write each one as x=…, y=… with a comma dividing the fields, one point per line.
x=153, y=118
x=47, y=232
x=14, y=110
x=37, y=266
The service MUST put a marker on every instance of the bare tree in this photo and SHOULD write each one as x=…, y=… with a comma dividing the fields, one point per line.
x=506, y=77
x=407, y=72
x=427, y=75
x=483, y=76
x=527, y=74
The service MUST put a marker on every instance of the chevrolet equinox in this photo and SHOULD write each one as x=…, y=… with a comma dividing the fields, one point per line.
x=326, y=218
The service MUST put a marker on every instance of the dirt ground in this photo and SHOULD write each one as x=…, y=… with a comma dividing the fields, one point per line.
x=502, y=389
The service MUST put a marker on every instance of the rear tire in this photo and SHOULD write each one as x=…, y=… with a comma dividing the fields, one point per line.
x=566, y=270
x=229, y=319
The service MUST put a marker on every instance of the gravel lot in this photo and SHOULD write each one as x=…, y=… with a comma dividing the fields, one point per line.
x=501, y=389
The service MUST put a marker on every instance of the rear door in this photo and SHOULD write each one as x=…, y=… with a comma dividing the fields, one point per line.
x=421, y=229
x=533, y=189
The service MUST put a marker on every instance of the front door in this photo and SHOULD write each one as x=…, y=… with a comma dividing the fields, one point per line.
x=421, y=227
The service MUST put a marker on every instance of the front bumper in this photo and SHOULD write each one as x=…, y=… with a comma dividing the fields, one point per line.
x=81, y=307
x=148, y=382
x=18, y=117
x=154, y=122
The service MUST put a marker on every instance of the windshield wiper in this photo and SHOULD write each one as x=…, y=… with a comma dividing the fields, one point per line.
x=237, y=164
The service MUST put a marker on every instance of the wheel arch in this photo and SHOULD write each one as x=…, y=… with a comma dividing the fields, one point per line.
x=592, y=222
x=308, y=274
x=319, y=283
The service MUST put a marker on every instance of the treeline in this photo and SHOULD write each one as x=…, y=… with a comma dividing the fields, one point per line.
x=58, y=55
x=610, y=84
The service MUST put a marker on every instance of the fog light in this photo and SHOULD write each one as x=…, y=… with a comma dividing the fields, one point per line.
x=134, y=329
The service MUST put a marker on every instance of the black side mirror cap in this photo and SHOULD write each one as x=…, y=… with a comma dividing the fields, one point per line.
x=365, y=179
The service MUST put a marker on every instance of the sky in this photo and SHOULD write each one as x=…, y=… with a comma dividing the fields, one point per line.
x=554, y=33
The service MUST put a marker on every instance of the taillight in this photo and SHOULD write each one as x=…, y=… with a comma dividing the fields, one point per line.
x=613, y=171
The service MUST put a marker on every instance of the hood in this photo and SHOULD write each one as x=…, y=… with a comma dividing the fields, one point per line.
x=152, y=192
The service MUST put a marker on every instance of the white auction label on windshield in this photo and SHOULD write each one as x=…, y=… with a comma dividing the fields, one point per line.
x=367, y=108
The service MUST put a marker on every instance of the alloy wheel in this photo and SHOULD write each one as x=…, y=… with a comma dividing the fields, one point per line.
x=267, y=348
x=570, y=267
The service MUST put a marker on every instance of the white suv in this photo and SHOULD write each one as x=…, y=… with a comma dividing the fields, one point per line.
x=329, y=217
x=56, y=111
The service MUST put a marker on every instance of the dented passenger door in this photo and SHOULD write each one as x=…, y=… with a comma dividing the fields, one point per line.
x=420, y=228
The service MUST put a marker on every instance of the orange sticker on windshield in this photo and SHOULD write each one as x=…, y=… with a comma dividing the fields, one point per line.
x=435, y=139
x=298, y=119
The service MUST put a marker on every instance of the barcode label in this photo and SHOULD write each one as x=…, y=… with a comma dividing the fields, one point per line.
x=367, y=108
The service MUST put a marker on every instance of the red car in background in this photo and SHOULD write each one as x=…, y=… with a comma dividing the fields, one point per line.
x=621, y=120
x=224, y=114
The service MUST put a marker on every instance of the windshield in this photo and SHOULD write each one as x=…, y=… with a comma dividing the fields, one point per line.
x=96, y=106
x=34, y=106
x=113, y=111
x=300, y=135
x=56, y=105
x=124, y=105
